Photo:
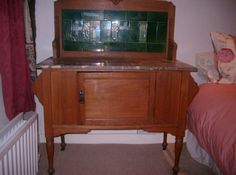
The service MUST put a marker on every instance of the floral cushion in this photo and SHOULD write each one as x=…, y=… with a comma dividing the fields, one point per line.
x=206, y=66
x=234, y=37
x=225, y=56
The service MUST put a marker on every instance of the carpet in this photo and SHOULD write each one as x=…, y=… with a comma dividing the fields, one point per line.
x=118, y=159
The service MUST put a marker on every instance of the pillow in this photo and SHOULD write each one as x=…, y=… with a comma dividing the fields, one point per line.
x=225, y=56
x=234, y=37
x=206, y=66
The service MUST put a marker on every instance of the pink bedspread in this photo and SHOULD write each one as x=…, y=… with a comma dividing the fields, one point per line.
x=212, y=119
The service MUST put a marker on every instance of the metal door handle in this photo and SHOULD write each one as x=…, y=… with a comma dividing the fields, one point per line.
x=81, y=97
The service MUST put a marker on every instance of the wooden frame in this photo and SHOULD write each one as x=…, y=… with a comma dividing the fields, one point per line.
x=132, y=5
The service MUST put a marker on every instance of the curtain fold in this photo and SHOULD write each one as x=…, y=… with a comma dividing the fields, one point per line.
x=14, y=67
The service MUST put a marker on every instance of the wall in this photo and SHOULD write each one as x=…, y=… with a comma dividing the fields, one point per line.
x=3, y=118
x=195, y=19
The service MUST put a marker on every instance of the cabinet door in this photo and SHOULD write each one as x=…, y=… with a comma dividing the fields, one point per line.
x=168, y=96
x=64, y=98
x=115, y=98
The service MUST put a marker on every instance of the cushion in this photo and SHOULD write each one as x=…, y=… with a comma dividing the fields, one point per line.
x=225, y=56
x=206, y=66
x=234, y=37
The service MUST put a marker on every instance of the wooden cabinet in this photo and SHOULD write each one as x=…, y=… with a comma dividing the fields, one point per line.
x=78, y=101
x=114, y=67
x=117, y=98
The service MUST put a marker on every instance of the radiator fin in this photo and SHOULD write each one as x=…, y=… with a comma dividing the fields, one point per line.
x=19, y=147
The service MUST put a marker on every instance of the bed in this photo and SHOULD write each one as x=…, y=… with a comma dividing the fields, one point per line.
x=211, y=119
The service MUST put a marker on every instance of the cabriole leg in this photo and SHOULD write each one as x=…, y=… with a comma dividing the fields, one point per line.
x=164, y=144
x=178, y=149
x=50, y=153
x=63, y=143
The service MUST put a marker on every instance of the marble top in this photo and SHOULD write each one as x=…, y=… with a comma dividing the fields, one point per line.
x=115, y=64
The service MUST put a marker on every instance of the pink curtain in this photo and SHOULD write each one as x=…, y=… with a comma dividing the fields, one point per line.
x=14, y=69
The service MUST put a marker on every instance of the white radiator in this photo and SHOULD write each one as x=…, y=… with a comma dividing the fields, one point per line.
x=19, y=146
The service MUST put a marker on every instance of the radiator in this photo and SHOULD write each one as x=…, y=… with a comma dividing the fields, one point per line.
x=19, y=146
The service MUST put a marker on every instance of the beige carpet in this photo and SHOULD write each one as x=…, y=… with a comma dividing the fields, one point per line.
x=119, y=159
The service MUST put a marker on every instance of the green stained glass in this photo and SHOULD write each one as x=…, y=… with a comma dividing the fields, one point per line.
x=106, y=30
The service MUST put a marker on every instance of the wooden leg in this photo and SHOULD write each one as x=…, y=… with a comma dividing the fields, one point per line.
x=178, y=149
x=50, y=153
x=164, y=144
x=63, y=143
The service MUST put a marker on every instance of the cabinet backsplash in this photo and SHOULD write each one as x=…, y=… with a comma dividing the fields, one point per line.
x=105, y=30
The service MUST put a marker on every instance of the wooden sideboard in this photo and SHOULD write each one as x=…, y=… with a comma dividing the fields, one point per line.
x=83, y=90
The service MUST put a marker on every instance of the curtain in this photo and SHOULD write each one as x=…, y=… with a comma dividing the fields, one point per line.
x=14, y=69
x=30, y=36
